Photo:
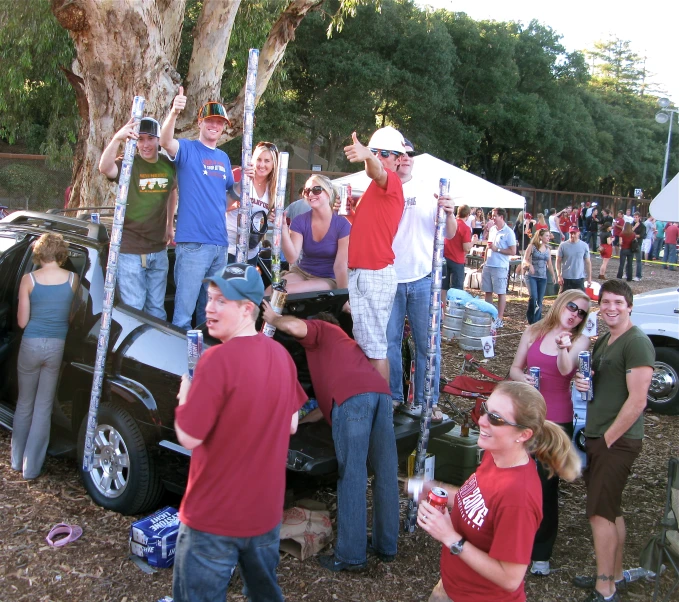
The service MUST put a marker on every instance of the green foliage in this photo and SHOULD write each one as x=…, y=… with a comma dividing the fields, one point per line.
x=38, y=188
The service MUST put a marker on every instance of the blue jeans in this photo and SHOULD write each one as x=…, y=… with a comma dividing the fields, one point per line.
x=195, y=261
x=670, y=253
x=143, y=286
x=455, y=274
x=412, y=300
x=363, y=430
x=637, y=256
x=204, y=564
x=536, y=289
x=625, y=257
x=658, y=244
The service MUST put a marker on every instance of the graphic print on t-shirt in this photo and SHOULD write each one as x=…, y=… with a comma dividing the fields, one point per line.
x=471, y=504
x=411, y=201
x=153, y=182
x=214, y=168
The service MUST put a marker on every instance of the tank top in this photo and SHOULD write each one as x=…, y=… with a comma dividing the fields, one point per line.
x=50, y=309
x=539, y=260
x=554, y=386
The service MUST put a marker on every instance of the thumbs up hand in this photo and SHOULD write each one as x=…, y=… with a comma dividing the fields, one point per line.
x=356, y=152
x=179, y=102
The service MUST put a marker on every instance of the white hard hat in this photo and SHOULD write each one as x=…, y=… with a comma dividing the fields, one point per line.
x=388, y=138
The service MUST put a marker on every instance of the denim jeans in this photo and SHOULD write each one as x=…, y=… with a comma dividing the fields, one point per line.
x=204, y=564
x=143, y=286
x=637, y=256
x=658, y=244
x=625, y=258
x=670, y=253
x=536, y=289
x=455, y=274
x=195, y=261
x=363, y=430
x=412, y=300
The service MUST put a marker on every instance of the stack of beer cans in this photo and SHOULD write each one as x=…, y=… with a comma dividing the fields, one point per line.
x=154, y=538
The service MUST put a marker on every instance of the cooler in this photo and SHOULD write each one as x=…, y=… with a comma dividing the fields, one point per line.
x=457, y=457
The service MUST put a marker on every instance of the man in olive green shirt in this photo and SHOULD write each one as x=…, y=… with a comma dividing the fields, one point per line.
x=622, y=366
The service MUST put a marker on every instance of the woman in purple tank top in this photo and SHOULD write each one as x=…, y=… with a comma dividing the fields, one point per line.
x=553, y=345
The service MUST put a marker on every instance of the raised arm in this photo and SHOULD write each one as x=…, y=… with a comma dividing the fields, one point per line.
x=357, y=153
x=287, y=324
x=107, y=163
x=167, y=139
x=291, y=242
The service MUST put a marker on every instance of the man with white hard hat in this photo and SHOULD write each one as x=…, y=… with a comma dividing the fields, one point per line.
x=372, y=277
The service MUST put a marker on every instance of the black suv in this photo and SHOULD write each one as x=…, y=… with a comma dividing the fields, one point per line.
x=136, y=451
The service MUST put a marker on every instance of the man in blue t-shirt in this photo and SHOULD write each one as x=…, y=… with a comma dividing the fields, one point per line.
x=204, y=177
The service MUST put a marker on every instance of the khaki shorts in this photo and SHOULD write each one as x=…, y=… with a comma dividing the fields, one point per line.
x=606, y=474
x=306, y=276
x=494, y=280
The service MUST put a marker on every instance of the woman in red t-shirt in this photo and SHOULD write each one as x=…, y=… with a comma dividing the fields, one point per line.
x=626, y=253
x=488, y=535
x=605, y=248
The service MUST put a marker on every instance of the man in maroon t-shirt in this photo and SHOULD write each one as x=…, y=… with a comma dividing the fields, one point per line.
x=455, y=250
x=618, y=225
x=238, y=427
x=356, y=400
x=670, y=250
x=372, y=277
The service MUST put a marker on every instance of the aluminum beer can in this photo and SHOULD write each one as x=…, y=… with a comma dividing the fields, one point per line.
x=444, y=186
x=438, y=497
x=278, y=297
x=194, y=349
x=95, y=218
x=585, y=368
x=344, y=196
x=535, y=373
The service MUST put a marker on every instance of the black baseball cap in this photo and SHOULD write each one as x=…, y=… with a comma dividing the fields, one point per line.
x=148, y=125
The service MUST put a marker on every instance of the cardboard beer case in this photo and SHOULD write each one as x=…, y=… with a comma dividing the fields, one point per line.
x=155, y=537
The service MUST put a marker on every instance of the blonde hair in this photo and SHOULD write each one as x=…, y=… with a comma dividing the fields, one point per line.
x=326, y=184
x=272, y=178
x=552, y=319
x=50, y=247
x=535, y=240
x=549, y=443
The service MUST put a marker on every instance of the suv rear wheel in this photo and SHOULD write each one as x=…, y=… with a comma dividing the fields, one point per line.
x=123, y=477
x=663, y=394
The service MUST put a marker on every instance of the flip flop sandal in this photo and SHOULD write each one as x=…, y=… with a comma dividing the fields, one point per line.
x=436, y=415
x=71, y=533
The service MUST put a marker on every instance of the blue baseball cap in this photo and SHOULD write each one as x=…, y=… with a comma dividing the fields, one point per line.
x=239, y=282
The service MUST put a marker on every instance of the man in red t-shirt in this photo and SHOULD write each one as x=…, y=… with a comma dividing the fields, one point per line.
x=372, y=277
x=566, y=221
x=238, y=427
x=356, y=400
x=618, y=225
x=670, y=249
x=455, y=250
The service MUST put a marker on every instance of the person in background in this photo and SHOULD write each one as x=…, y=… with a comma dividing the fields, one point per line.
x=554, y=225
x=605, y=248
x=659, y=240
x=622, y=367
x=647, y=243
x=618, y=225
x=297, y=207
x=567, y=219
x=455, y=251
x=488, y=528
x=230, y=411
x=541, y=223
x=627, y=238
x=639, y=230
x=573, y=263
x=628, y=217
x=479, y=223
x=553, y=345
x=149, y=217
x=670, y=250
x=321, y=238
x=593, y=222
x=355, y=400
x=45, y=302
x=537, y=260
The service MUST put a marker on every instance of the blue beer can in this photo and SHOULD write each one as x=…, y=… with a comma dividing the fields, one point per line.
x=444, y=186
x=535, y=373
x=585, y=368
x=194, y=348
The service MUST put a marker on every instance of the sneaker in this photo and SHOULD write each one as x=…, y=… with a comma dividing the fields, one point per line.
x=635, y=279
x=595, y=596
x=413, y=410
x=540, y=568
x=334, y=565
x=588, y=582
x=498, y=323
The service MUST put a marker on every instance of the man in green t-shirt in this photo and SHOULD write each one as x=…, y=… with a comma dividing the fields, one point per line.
x=149, y=217
x=622, y=367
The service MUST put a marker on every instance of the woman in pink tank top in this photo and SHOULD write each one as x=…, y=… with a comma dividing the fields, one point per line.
x=553, y=345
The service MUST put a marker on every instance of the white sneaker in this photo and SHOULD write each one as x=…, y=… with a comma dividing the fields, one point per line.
x=540, y=568
x=636, y=279
x=498, y=323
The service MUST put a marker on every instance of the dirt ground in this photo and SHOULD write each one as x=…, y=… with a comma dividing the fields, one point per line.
x=96, y=567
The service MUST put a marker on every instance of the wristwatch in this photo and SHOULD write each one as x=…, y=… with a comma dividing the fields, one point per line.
x=456, y=548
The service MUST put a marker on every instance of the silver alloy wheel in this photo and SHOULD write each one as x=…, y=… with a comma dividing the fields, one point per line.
x=111, y=469
x=664, y=383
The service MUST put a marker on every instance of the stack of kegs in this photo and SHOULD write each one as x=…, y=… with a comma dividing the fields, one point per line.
x=475, y=324
x=452, y=321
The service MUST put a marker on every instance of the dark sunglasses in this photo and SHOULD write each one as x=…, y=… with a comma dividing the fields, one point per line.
x=313, y=190
x=410, y=153
x=496, y=419
x=213, y=109
x=270, y=145
x=572, y=307
x=384, y=153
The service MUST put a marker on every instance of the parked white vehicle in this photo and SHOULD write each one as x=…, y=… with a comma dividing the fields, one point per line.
x=657, y=314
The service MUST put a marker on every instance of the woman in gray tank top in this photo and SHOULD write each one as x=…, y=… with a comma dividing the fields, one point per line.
x=45, y=301
x=537, y=261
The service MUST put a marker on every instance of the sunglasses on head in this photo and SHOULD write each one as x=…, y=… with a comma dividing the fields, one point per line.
x=384, y=153
x=270, y=145
x=572, y=307
x=213, y=109
x=495, y=419
x=313, y=190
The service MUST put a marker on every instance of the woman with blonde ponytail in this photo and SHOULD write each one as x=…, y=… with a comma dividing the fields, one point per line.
x=488, y=528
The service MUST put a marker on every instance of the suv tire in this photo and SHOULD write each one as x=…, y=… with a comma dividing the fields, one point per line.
x=663, y=395
x=124, y=478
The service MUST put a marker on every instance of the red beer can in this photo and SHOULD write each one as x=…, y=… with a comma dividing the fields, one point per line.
x=438, y=498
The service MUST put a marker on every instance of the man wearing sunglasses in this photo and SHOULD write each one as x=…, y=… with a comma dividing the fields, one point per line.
x=572, y=260
x=372, y=278
x=413, y=249
x=622, y=367
x=204, y=177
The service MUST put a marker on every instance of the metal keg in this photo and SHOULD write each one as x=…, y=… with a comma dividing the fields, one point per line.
x=452, y=322
x=475, y=324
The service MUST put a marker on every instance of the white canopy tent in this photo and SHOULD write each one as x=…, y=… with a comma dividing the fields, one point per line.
x=665, y=206
x=466, y=188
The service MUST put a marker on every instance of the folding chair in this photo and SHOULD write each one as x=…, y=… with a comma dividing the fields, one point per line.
x=667, y=543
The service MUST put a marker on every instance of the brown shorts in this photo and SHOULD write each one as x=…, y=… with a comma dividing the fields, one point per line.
x=606, y=474
x=300, y=272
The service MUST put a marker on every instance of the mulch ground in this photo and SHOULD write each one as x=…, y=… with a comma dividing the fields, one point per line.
x=96, y=567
